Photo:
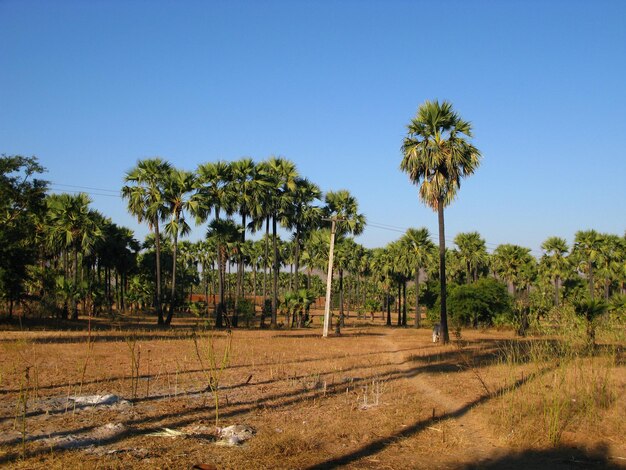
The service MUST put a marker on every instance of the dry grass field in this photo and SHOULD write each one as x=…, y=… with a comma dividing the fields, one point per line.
x=374, y=397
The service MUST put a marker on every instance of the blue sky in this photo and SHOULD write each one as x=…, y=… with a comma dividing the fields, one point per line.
x=91, y=87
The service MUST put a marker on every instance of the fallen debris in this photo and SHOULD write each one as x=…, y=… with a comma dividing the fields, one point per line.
x=234, y=435
x=96, y=400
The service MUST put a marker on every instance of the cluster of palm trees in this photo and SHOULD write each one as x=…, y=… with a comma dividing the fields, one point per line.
x=83, y=258
x=234, y=198
x=73, y=256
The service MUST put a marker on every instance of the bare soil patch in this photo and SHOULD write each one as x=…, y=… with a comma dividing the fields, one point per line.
x=375, y=397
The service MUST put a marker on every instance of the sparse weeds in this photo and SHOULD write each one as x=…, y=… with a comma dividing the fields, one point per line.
x=214, y=366
x=134, y=352
x=577, y=389
x=372, y=393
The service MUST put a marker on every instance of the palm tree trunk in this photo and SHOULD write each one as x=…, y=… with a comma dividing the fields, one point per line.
x=556, y=291
x=296, y=260
x=591, y=280
x=399, y=303
x=442, y=273
x=158, y=273
x=417, y=297
x=267, y=247
x=340, y=320
x=219, y=311
x=274, y=274
x=74, y=302
x=170, y=314
x=388, y=307
x=404, y=302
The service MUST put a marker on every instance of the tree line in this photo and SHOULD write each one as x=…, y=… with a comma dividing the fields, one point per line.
x=59, y=256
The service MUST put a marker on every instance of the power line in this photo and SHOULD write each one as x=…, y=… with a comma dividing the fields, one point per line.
x=86, y=187
x=378, y=225
x=58, y=191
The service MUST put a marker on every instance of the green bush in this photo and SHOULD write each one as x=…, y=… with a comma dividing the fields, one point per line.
x=479, y=303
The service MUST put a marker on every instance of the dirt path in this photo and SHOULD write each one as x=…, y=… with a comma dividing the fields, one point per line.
x=463, y=420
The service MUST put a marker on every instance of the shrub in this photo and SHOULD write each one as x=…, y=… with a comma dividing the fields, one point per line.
x=479, y=303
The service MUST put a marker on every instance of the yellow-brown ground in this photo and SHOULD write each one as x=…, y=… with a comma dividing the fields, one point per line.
x=375, y=397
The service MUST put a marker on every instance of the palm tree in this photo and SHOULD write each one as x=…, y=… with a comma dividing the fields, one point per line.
x=610, y=261
x=417, y=242
x=215, y=193
x=382, y=265
x=178, y=199
x=343, y=208
x=589, y=310
x=75, y=227
x=402, y=267
x=144, y=192
x=555, y=262
x=436, y=156
x=513, y=264
x=301, y=217
x=472, y=253
x=586, y=252
x=223, y=232
x=249, y=188
x=281, y=175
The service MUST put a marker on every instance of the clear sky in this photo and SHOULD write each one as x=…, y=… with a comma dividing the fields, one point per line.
x=90, y=87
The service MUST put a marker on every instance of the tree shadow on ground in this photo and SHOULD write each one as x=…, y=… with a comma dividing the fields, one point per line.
x=380, y=444
x=558, y=458
x=284, y=399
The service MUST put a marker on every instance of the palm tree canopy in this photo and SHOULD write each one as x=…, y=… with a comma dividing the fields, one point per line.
x=436, y=154
x=342, y=205
x=144, y=189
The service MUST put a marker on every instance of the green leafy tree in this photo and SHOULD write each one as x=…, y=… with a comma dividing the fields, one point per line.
x=22, y=209
x=437, y=156
x=480, y=302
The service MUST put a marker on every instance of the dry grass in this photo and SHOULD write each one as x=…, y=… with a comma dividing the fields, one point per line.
x=373, y=398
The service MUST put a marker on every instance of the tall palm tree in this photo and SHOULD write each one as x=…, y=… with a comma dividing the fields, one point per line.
x=214, y=192
x=436, y=156
x=281, y=174
x=178, y=199
x=301, y=217
x=249, y=188
x=555, y=262
x=144, y=191
x=417, y=242
x=472, y=252
x=223, y=232
x=344, y=209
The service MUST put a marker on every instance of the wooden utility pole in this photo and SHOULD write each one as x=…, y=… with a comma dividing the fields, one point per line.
x=330, y=275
